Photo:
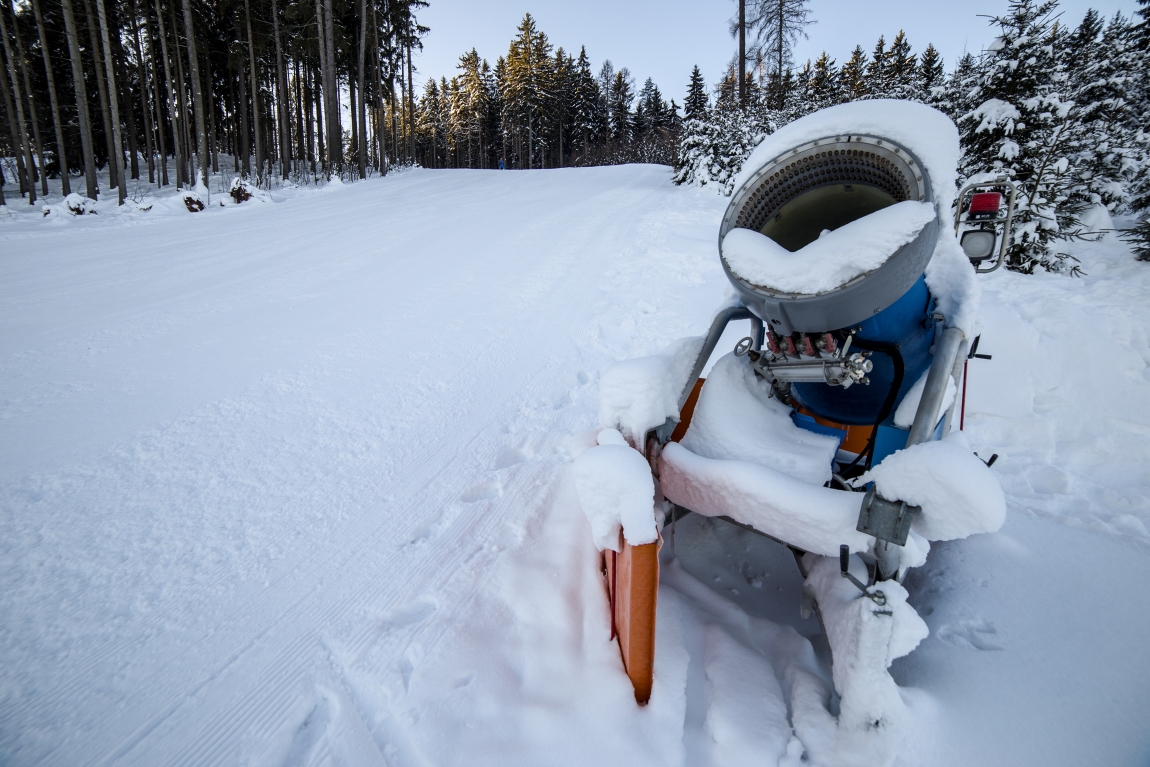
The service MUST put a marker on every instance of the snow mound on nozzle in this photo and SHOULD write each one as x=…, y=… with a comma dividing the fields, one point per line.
x=810, y=517
x=928, y=133
x=959, y=495
x=831, y=261
x=640, y=394
x=616, y=491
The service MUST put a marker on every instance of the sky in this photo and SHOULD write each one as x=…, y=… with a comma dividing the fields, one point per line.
x=663, y=39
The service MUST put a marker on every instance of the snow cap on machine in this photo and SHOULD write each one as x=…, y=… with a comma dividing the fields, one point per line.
x=958, y=494
x=616, y=491
x=638, y=395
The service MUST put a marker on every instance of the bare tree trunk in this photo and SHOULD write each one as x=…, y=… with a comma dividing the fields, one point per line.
x=159, y=120
x=410, y=109
x=61, y=156
x=281, y=97
x=297, y=93
x=354, y=147
x=142, y=74
x=120, y=62
x=81, y=101
x=213, y=144
x=17, y=126
x=320, y=111
x=245, y=131
x=182, y=98
x=321, y=84
x=308, y=97
x=381, y=159
x=172, y=102
x=255, y=95
x=22, y=61
x=742, y=52
x=111, y=72
x=361, y=147
x=15, y=137
x=198, y=97
x=102, y=89
x=331, y=90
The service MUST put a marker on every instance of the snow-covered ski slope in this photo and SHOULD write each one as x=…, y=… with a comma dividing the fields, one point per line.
x=288, y=483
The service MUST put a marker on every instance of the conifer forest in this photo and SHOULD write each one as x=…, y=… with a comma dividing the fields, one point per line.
x=262, y=86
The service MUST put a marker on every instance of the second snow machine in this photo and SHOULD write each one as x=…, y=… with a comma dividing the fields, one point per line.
x=826, y=427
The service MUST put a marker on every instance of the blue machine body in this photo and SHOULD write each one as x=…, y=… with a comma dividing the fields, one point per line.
x=907, y=324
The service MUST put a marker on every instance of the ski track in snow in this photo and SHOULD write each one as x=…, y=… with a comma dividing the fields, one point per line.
x=286, y=484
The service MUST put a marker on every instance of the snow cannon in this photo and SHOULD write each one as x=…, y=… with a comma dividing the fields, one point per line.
x=825, y=429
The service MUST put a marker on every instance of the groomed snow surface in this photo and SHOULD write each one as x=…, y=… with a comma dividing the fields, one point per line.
x=290, y=483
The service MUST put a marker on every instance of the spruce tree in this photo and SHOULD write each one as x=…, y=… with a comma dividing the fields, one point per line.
x=877, y=79
x=696, y=104
x=930, y=76
x=1138, y=173
x=823, y=86
x=1101, y=75
x=586, y=98
x=621, y=96
x=852, y=76
x=956, y=96
x=899, y=72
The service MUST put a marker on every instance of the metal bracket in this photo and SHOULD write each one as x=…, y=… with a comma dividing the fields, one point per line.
x=886, y=520
x=875, y=596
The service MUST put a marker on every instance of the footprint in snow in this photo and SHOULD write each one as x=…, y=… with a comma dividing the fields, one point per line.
x=976, y=634
x=510, y=457
x=487, y=490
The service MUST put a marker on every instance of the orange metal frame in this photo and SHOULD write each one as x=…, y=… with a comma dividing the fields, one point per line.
x=632, y=573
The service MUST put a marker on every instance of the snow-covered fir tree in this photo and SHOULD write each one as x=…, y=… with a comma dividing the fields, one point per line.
x=1101, y=67
x=899, y=72
x=823, y=86
x=852, y=76
x=930, y=76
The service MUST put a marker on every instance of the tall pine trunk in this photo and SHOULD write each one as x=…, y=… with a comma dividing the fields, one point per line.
x=297, y=93
x=15, y=109
x=61, y=156
x=120, y=62
x=281, y=97
x=210, y=106
x=23, y=62
x=245, y=130
x=182, y=98
x=159, y=117
x=86, y=143
x=255, y=95
x=173, y=103
x=361, y=146
x=331, y=90
x=410, y=109
x=102, y=89
x=111, y=72
x=198, y=98
x=142, y=74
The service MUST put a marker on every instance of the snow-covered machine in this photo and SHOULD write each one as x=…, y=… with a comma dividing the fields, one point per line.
x=828, y=426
